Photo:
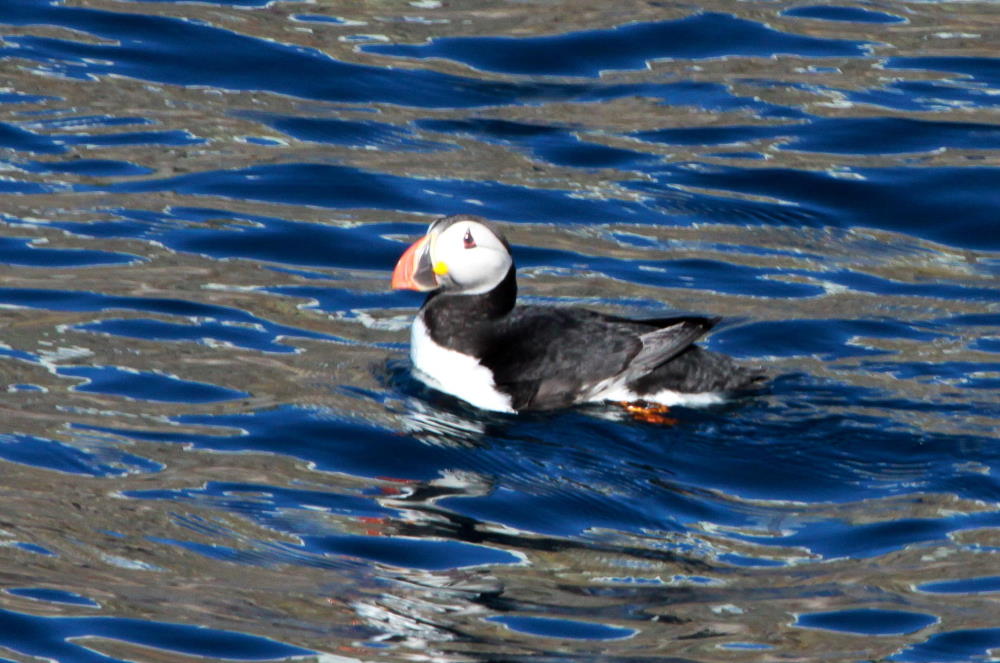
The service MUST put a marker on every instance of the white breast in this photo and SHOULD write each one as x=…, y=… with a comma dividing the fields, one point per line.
x=453, y=372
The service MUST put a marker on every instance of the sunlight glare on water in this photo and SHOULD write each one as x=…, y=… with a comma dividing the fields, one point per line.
x=213, y=444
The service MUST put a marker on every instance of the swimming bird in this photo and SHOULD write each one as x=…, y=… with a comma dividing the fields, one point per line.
x=472, y=340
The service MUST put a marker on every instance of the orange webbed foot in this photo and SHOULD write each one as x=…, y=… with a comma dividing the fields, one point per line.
x=650, y=413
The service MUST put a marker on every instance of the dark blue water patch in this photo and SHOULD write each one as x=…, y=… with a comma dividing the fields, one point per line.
x=556, y=145
x=52, y=638
x=34, y=548
x=217, y=322
x=317, y=18
x=261, y=502
x=962, y=586
x=24, y=188
x=493, y=130
x=751, y=562
x=837, y=449
x=745, y=646
x=266, y=142
x=906, y=200
x=663, y=479
x=930, y=372
x=330, y=442
x=84, y=300
x=724, y=135
x=411, y=553
x=861, y=282
x=925, y=95
x=174, y=138
x=340, y=299
x=701, y=94
x=243, y=337
x=980, y=70
x=553, y=144
x=577, y=153
x=880, y=135
x=143, y=385
x=62, y=121
x=212, y=321
x=53, y=596
x=983, y=383
x=834, y=13
x=550, y=514
x=986, y=345
x=666, y=203
x=25, y=387
x=260, y=238
x=564, y=629
x=972, y=320
x=157, y=48
x=22, y=140
x=345, y=187
x=22, y=98
x=828, y=339
x=281, y=241
x=22, y=251
x=635, y=239
x=962, y=645
x=14, y=353
x=88, y=167
x=756, y=156
x=341, y=446
x=868, y=621
x=563, y=510
x=588, y=53
x=702, y=274
x=53, y=455
x=835, y=539
x=843, y=135
x=346, y=132
x=950, y=406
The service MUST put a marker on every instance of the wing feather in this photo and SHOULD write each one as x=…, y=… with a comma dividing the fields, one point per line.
x=547, y=358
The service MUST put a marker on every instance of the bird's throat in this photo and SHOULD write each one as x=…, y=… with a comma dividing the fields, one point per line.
x=450, y=317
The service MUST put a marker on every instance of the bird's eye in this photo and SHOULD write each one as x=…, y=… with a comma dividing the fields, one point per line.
x=469, y=242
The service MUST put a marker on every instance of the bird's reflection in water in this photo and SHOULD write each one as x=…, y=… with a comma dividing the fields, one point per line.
x=433, y=417
x=445, y=611
x=422, y=611
x=434, y=425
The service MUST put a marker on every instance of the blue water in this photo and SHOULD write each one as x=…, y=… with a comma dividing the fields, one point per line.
x=213, y=444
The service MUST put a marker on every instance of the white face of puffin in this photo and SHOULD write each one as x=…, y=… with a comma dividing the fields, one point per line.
x=461, y=254
x=468, y=257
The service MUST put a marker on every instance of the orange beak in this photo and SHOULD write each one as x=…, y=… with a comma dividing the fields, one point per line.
x=414, y=270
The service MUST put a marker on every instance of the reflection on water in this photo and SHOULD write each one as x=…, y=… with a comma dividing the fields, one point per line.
x=212, y=444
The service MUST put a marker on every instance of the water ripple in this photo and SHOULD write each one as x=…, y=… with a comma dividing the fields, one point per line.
x=216, y=447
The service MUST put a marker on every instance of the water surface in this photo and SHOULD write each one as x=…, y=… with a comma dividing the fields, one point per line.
x=213, y=446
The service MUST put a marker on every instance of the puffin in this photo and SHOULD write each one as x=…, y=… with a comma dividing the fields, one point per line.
x=472, y=340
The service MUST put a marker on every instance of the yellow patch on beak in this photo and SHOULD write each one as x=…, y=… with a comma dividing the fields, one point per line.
x=440, y=268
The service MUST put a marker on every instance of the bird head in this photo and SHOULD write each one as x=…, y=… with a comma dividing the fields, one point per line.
x=463, y=254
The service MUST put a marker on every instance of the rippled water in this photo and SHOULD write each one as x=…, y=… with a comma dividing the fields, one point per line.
x=211, y=442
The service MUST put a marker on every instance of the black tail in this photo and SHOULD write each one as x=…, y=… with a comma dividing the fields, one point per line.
x=697, y=371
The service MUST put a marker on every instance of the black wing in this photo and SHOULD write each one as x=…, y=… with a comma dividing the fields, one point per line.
x=548, y=357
